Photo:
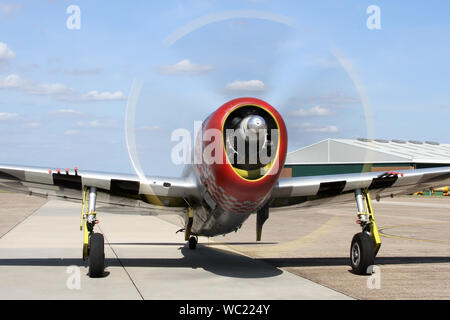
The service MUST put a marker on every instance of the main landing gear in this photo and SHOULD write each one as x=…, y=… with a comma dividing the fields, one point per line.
x=366, y=244
x=93, y=243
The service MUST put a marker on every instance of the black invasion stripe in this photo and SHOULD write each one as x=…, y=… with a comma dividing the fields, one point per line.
x=124, y=187
x=67, y=181
x=12, y=174
x=382, y=183
x=331, y=188
x=435, y=178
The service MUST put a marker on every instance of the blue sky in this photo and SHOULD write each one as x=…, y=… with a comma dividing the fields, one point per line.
x=63, y=93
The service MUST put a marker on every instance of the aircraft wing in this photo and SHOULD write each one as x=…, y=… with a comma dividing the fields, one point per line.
x=113, y=189
x=308, y=191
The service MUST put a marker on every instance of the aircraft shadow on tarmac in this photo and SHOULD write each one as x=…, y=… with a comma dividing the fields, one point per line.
x=213, y=260
x=323, y=262
x=220, y=262
x=212, y=244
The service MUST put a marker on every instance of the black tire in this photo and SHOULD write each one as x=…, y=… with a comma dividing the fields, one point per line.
x=362, y=254
x=96, y=255
x=192, y=243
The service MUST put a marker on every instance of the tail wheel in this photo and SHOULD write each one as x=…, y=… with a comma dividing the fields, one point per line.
x=192, y=243
x=96, y=255
x=362, y=254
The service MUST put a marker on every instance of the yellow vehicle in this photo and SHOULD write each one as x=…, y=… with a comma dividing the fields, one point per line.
x=443, y=191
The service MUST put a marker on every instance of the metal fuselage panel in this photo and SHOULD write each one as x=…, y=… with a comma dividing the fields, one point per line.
x=210, y=220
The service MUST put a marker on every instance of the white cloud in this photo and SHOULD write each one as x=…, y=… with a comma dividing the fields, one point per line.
x=332, y=99
x=148, y=128
x=71, y=132
x=316, y=111
x=18, y=120
x=103, y=96
x=328, y=62
x=288, y=45
x=96, y=124
x=8, y=10
x=5, y=52
x=184, y=67
x=64, y=112
x=327, y=129
x=309, y=127
x=32, y=125
x=56, y=89
x=11, y=81
x=5, y=116
x=60, y=91
x=77, y=71
x=250, y=86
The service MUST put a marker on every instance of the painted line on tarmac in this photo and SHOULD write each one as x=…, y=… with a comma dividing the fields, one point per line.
x=121, y=263
x=381, y=231
x=415, y=204
x=21, y=221
x=291, y=245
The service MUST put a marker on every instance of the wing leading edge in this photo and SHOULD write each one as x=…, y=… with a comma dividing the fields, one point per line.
x=115, y=189
x=129, y=191
x=341, y=187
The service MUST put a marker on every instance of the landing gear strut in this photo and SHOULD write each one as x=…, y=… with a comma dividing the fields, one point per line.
x=261, y=216
x=366, y=244
x=192, y=240
x=93, y=243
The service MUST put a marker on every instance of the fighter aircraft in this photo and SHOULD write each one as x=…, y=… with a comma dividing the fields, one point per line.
x=220, y=189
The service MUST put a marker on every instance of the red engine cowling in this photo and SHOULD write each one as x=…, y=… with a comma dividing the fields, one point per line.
x=225, y=153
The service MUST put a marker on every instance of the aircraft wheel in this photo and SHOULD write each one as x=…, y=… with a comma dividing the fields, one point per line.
x=362, y=254
x=192, y=243
x=96, y=255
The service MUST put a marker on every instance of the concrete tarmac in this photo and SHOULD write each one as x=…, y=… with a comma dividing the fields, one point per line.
x=40, y=259
x=304, y=254
x=414, y=259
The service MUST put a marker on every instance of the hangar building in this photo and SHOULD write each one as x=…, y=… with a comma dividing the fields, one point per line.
x=334, y=156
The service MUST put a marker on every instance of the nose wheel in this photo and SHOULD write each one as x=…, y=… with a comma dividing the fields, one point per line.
x=192, y=243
